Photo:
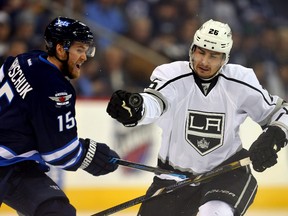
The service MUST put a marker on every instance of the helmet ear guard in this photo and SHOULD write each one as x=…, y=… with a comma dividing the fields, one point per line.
x=214, y=36
x=65, y=31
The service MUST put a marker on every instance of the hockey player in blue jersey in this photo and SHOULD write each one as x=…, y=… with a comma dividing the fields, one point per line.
x=199, y=105
x=37, y=122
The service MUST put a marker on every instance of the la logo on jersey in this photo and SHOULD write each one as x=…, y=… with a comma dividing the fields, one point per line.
x=204, y=130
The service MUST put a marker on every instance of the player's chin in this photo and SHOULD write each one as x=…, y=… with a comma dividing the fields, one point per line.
x=203, y=74
x=75, y=74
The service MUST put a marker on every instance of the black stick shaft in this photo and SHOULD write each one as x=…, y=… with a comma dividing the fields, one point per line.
x=198, y=179
x=138, y=166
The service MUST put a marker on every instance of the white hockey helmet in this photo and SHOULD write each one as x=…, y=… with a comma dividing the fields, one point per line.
x=215, y=36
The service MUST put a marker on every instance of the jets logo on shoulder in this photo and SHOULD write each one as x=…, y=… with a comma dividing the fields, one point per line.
x=204, y=130
x=61, y=99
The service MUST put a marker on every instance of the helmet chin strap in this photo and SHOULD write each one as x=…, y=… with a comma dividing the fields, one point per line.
x=64, y=64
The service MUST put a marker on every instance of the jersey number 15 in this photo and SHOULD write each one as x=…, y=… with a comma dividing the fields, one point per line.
x=66, y=120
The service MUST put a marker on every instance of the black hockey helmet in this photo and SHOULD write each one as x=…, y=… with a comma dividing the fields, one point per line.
x=65, y=30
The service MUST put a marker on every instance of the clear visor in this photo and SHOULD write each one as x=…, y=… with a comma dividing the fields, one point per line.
x=91, y=51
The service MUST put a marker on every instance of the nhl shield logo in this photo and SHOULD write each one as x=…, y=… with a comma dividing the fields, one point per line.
x=204, y=130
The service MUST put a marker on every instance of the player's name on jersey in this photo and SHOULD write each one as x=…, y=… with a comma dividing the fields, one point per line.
x=18, y=79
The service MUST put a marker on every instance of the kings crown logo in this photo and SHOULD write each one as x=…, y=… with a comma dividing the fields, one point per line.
x=203, y=143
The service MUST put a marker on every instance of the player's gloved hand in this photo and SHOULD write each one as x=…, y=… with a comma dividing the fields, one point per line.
x=126, y=107
x=263, y=151
x=97, y=158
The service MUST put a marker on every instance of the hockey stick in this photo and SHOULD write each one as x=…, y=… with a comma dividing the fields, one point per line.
x=138, y=166
x=198, y=179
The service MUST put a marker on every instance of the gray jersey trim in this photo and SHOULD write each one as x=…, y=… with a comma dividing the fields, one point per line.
x=159, y=97
x=278, y=106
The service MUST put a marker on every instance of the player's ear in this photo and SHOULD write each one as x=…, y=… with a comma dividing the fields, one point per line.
x=60, y=51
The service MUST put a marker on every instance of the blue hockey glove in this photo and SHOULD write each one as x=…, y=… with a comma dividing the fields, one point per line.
x=97, y=158
x=263, y=152
x=126, y=107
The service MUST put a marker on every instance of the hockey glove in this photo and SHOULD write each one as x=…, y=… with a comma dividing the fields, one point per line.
x=126, y=107
x=97, y=158
x=263, y=152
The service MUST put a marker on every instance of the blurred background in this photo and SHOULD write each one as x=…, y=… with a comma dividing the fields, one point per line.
x=132, y=38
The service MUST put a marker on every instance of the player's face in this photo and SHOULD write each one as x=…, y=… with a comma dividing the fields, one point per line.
x=77, y=56
x=206, y=63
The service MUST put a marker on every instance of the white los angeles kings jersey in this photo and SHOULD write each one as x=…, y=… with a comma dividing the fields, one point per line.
x=200, y=121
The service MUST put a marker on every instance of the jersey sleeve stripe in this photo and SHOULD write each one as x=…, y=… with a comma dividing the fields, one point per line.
x=70, y=163
x=8, y=157
x=158, y=96
x=62, y=152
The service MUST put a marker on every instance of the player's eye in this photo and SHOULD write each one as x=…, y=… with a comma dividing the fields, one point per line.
x=81, y=50
x=201, y=52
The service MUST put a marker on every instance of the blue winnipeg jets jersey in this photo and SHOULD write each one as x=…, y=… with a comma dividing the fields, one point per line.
x=37, y=113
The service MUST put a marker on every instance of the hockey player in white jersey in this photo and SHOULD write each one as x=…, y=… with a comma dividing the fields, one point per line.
x=200, y=105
